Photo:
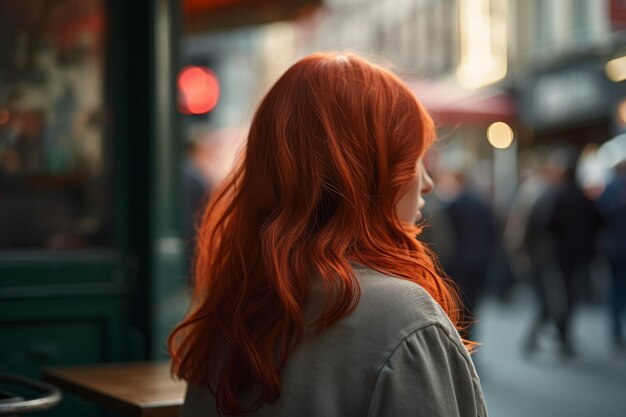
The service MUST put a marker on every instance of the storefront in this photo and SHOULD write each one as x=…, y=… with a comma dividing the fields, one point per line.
x=573, y=102
x=89, y=236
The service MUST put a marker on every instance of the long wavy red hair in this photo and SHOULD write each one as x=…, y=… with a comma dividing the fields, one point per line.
x=330, y=151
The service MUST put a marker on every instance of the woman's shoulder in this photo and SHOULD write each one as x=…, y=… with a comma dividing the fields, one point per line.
x=397, y=305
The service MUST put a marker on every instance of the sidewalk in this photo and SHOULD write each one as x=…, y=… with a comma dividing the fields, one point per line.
x=593, y=383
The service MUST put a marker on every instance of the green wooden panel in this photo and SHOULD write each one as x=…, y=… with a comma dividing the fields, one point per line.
x=60, y=331
x=30, y=345
x=25, y=270
x=118, y=339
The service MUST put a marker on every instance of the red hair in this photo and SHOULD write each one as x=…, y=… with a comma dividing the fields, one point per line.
x=330, y=151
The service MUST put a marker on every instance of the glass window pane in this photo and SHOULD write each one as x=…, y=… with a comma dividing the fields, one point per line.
x=55, y=185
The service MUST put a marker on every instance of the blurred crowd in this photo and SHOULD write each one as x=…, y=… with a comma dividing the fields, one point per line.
x=563, y=235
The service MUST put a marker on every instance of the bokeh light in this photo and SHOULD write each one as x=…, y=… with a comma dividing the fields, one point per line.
x=199, y=90
x=616, y=69
x=500, y=135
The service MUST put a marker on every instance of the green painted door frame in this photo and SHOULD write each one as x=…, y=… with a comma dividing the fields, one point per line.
x=168, y=287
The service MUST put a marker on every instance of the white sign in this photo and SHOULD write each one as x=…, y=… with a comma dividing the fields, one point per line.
x=565, y=95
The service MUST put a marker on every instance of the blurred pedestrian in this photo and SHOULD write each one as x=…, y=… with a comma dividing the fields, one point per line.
x=196, y=187
x=570, y=235
x=474, y=234
x=312, y=295
x=612, y=204
x=574, y=223
x=539, y=246
x=532, y=185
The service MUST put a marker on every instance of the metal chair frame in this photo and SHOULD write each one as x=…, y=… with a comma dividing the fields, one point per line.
x=15, y=405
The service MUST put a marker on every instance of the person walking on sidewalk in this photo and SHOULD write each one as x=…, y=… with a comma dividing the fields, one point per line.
x=612, y=204
x=574, y=223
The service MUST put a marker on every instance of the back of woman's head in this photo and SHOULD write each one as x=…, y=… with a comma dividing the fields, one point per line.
x=335, y=139
x=331, y=149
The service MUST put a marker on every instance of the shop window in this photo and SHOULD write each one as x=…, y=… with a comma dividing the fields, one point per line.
x=55, y=167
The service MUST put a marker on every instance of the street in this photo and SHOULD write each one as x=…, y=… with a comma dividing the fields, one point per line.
x=592, y=383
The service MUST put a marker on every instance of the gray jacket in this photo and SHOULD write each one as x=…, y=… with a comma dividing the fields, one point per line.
x=397, y=354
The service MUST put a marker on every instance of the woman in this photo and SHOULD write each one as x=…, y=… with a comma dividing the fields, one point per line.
x=312, y=295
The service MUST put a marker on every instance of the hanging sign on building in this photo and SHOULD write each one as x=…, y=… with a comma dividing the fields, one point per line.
x=570, y=95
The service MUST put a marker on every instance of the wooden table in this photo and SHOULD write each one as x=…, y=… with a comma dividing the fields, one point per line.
x=132, y=389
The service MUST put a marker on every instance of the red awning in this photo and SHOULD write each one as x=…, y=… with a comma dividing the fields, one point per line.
x=451, y=105
x=206, y=15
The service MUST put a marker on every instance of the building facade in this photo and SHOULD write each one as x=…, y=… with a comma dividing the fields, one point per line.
x=559, y=64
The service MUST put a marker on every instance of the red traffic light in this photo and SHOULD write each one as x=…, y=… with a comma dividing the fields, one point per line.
x=198, y=90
